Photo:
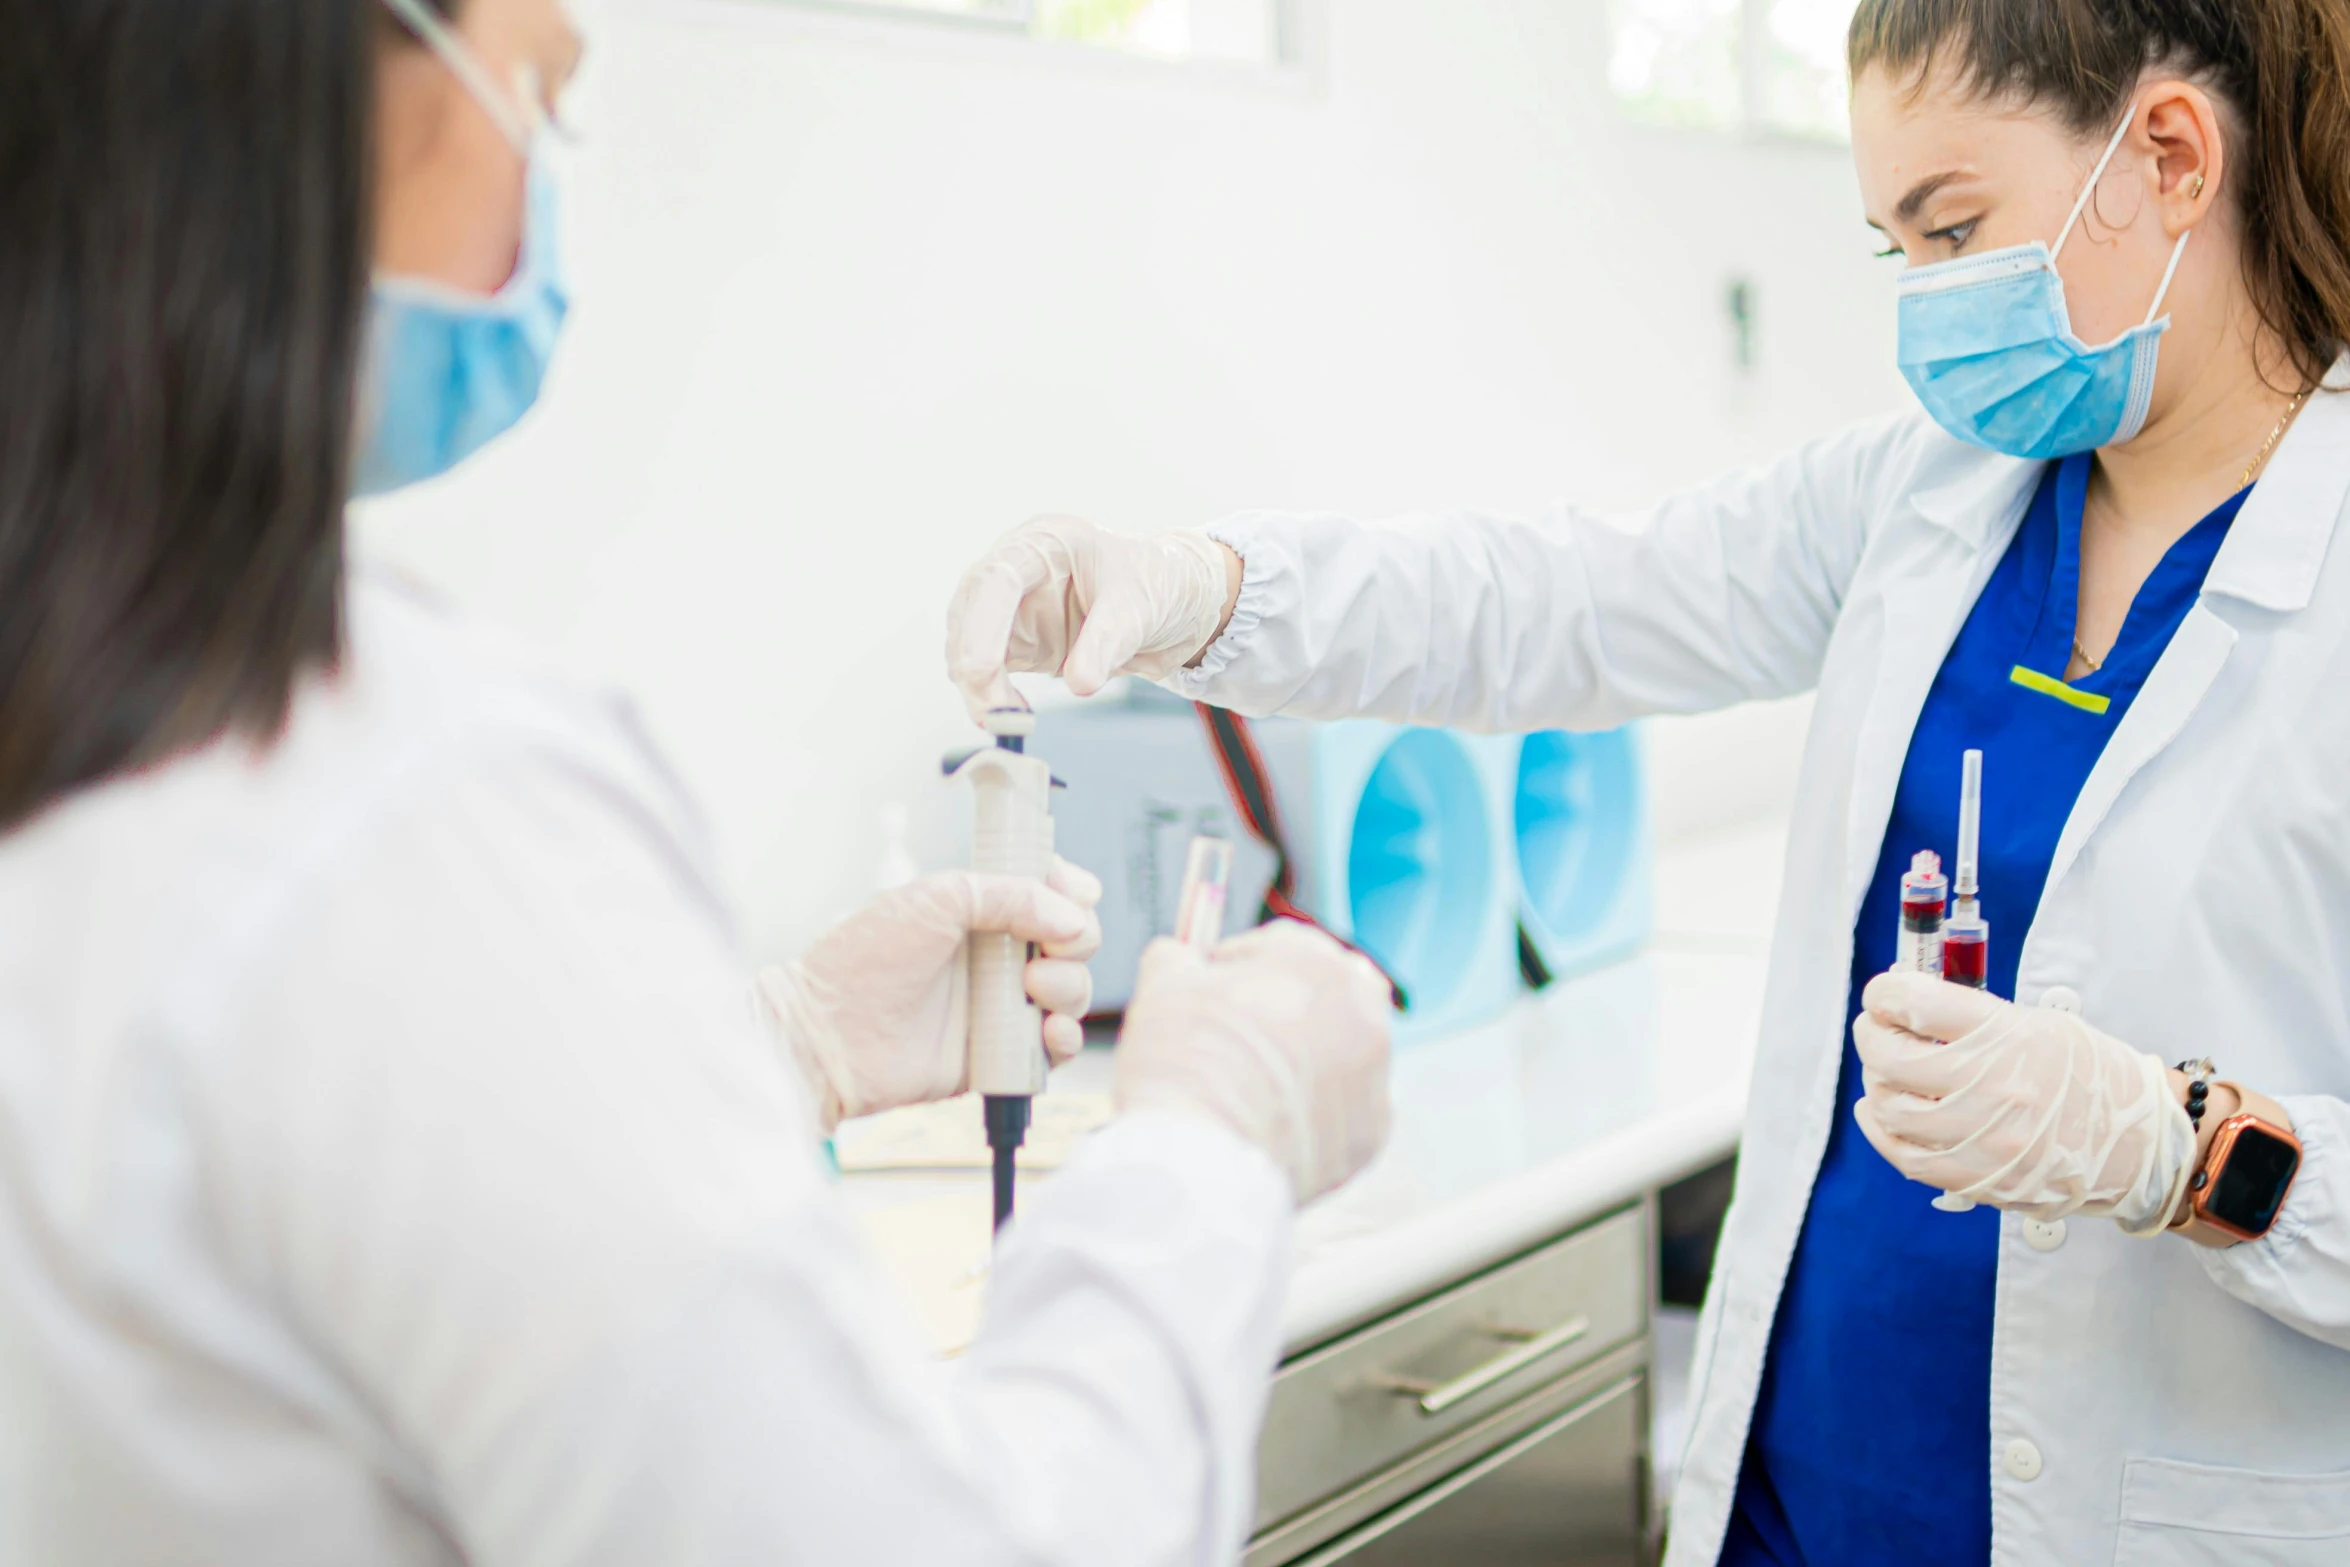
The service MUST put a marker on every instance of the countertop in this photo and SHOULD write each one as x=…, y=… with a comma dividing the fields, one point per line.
x=1576, y=1100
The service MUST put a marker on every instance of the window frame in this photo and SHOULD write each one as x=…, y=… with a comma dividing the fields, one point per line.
x=1753, y=21
x=1294, y=27
x=1011, y=17
x=1746, y=120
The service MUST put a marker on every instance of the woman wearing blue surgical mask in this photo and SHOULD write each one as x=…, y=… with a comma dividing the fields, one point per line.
x=397, y=1164
x=464, y=314
x=2110, y=553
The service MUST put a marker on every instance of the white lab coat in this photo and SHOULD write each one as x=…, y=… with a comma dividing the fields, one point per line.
x=392, y=1172
x=2151, y=1401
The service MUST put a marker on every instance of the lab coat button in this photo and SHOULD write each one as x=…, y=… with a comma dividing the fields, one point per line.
x=2023, y=1460
x=2043, y=1237
x=2061, y=998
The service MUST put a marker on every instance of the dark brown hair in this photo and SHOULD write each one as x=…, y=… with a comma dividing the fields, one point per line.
x=183, y=270
x=2281, y=68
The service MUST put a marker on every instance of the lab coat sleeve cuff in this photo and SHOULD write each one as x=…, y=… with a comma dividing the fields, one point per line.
x=1270, y=585
x=2299, y=1272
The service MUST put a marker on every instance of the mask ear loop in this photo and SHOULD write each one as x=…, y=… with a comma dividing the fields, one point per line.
x=2079, y=206
x=2168, y=272
x=436, y=35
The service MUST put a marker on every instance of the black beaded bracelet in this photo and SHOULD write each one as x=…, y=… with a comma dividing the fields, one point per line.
x=2198, y=1089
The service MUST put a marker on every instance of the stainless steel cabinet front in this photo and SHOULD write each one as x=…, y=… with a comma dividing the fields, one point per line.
x=1566, y=1494
x=1354, y=1408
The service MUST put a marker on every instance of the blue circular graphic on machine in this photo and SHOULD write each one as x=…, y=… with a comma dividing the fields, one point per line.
x=1579, y=839
x=1419, y=868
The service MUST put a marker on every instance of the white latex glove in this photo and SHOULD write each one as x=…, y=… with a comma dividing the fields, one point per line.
x=2024, y=1108
x=875, y=1012
x=1279, y=1034
x=1059, y=596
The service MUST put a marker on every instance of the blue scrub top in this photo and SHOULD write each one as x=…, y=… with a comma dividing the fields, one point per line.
x=1871, y=1439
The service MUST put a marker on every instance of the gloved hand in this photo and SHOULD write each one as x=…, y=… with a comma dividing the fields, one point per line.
x=1279, y=1034
x=875, y=1012
x=2024, y=1108
x=1061, y=596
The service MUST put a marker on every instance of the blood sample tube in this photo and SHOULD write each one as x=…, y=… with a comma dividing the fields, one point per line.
x=1966, y=951
x=1925, y=897
x=1970, y=834
x=1199, y=909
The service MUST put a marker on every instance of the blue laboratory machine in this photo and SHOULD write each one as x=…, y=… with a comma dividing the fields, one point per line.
x=1467, y=865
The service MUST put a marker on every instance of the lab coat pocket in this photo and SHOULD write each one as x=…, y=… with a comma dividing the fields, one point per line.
x=2193, y=1515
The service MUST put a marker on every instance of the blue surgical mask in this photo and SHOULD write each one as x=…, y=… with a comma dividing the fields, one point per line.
x=446, y=371
x=1987, y=345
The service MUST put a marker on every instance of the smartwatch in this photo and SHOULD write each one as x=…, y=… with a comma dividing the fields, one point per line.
x=2242, y=1185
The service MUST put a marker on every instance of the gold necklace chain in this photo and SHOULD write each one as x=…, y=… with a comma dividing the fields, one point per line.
x=2276, y=433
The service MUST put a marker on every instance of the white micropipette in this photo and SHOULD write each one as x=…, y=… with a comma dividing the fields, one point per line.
x=1011, y=835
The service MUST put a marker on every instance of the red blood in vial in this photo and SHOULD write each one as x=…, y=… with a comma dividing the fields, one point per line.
x=1965, y=957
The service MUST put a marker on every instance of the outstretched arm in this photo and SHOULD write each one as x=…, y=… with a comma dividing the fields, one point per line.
x=1722, y=594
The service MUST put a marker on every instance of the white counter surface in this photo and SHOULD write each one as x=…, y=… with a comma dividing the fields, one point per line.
x=1577, y=1100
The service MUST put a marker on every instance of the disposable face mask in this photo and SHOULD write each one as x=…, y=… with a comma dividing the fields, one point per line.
x=447, y=371
x=1987, y=345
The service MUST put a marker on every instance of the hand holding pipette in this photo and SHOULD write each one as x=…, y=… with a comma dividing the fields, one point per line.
x=869, y=1011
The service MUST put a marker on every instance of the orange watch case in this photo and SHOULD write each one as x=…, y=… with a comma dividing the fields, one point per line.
x=2245, y=1177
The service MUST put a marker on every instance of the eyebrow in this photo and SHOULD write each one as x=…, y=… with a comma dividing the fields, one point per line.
x=1910, y=205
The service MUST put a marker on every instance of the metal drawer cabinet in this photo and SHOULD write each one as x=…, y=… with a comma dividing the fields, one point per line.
x=1566, y=1494
x=1363, y=1425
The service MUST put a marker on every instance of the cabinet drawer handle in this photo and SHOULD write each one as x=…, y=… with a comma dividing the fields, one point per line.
x=1437, y=1397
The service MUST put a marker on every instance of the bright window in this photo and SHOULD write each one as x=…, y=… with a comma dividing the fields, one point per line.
x=1754, y=65
x=1244, y=32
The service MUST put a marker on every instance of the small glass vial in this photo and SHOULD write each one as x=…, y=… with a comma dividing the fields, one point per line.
x=1966, y=951
x=1925, y=897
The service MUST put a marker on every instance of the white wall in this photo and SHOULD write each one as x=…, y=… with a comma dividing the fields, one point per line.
x=853, y=297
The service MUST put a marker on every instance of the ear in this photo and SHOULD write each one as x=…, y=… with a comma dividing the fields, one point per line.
x=2178, y=134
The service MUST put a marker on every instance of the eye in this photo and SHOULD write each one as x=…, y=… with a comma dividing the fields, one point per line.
x=1956, y=235
x=1888, y=251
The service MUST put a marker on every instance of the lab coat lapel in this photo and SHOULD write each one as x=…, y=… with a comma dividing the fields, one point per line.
x=2181, y=678
x=1923, y=610
x=2278, y=544
x=2271, y=559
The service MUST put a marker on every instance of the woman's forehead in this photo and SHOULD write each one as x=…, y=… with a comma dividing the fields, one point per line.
x=1913, y=134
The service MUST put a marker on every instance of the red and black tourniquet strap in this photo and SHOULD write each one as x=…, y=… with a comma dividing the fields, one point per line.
x=1250, y=783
